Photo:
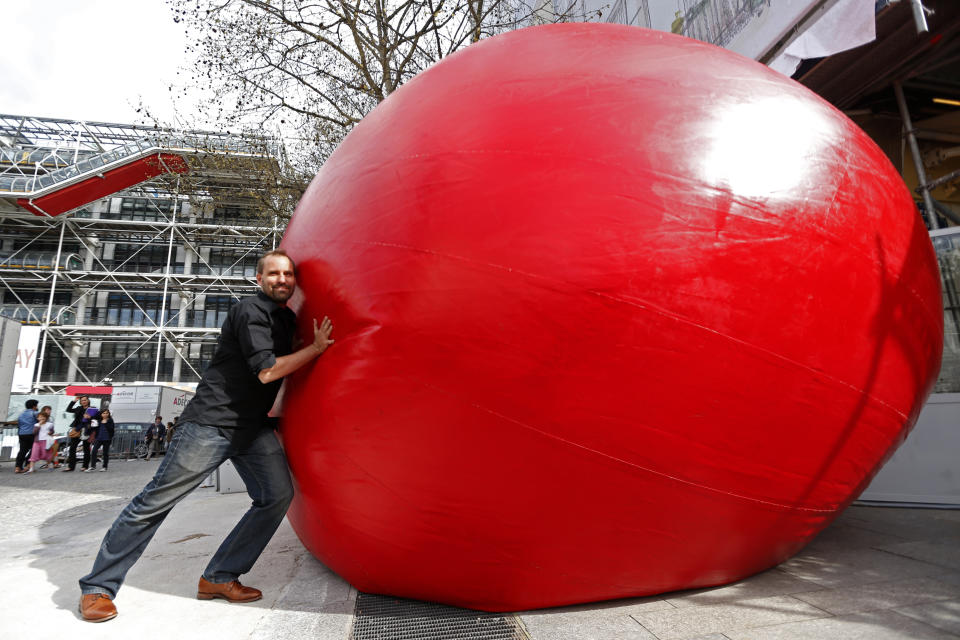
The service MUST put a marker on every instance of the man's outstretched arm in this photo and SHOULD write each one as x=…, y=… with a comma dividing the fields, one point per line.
x=286, y=365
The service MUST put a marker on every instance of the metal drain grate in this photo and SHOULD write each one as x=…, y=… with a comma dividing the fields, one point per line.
x=386, y=618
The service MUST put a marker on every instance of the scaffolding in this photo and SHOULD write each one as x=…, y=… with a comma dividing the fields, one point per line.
x=719, y=21
x=631, y=12
x=132, y=286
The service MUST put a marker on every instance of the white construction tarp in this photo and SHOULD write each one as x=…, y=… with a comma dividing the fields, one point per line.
x=844, y=25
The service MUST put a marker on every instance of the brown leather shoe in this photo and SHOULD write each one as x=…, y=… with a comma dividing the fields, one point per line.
x=229, y=591
x=97, y=607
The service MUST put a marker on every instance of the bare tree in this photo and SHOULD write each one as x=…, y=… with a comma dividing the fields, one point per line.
x=243, y=170
x=315, y=68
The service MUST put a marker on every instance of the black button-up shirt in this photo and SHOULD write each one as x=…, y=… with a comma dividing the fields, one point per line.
x=256, y=331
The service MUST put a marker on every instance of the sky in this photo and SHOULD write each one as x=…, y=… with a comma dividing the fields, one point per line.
x=90, y=60
x=96, y=60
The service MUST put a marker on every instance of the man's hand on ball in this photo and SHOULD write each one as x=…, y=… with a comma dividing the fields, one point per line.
x=321, y=334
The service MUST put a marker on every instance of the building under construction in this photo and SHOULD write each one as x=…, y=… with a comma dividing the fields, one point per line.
x=127, y=245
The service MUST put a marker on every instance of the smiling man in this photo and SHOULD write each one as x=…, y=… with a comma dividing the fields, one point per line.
x=226, y=420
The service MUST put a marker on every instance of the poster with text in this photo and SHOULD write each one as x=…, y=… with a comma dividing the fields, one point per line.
x=26, y=364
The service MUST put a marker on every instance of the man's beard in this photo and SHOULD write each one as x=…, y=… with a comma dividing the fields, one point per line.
x=278, y=294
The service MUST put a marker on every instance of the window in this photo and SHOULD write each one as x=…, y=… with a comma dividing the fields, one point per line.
x=147, y=209
x=121, y=310
x=36, y=297
x=127, y=361
x=947, y=247
x=147, y=259
x=241, y=216
x=214, y=312
x=230, y=262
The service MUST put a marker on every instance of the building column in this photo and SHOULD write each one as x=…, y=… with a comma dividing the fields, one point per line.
x=184, y=298
x=74, y=351
x=82, y=295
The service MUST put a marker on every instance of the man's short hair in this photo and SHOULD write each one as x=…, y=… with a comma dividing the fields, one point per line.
x=160, y=418
x=32, y=404
x=275, y=252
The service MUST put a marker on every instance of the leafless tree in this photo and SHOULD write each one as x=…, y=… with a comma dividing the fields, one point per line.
x=315, y=68
x=240, y=170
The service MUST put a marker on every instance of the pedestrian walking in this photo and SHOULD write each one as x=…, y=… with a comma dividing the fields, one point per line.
x=102, y=438
x=153, y=436
x=52, y=439
x=79, y=432
x=161, y=434
x=43, y=432
x=26, y=423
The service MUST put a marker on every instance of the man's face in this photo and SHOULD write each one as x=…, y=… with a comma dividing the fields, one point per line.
x=277, y=280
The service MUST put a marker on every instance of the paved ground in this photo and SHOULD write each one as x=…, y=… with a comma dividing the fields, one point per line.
x=877, y=573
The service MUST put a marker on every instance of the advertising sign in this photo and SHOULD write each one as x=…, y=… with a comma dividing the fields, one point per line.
x=134, y=404
x=9, y=343
x=143, y=403
x=148, y=395
x=174, y=402
x=124, y=395
x=26, y=362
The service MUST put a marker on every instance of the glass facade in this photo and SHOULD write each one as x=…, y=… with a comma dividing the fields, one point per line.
x=230, y=262
x=119, y=302
x=146, y=275
x=947, y=245
x=142, y=209
x=140, y=257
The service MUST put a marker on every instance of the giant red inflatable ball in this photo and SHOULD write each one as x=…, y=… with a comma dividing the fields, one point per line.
x=616, y=313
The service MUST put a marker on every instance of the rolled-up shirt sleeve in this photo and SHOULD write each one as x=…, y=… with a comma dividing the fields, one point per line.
x=256, y=341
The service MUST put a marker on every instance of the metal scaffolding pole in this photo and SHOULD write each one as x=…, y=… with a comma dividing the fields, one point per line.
x=46, y=320
x=112, y=293
x=917, y=158
x=919, y=16
x=166, y=281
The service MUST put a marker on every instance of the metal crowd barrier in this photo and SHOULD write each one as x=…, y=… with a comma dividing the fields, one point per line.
x=126, y=445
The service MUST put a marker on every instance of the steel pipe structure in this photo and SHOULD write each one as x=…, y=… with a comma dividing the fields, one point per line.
x=134, y=285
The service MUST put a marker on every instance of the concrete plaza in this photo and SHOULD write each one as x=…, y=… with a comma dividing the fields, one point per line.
x=877, y=573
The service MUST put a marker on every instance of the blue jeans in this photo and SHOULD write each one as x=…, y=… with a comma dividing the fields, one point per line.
x=195, y=451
